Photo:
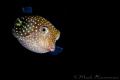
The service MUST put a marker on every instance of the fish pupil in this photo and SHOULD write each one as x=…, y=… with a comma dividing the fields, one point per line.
x=43, y=29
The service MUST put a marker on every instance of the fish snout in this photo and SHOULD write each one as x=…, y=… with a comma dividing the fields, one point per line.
x=51, y=48
x=57, y=35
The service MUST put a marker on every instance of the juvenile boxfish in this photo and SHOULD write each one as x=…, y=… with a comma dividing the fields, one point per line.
x=36, y=34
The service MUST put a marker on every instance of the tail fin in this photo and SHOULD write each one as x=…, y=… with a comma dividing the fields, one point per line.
x=57, y=50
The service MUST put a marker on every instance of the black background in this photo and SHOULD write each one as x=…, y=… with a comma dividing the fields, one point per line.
x=89, y=38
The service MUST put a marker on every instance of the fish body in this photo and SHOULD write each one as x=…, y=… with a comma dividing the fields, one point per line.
x=36, y=33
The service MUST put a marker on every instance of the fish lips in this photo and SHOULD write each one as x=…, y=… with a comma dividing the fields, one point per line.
x=51, y=47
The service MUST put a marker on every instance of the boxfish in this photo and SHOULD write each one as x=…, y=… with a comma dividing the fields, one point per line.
x=37, y=34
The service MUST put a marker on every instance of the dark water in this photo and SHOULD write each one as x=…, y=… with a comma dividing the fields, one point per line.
x=89, y=38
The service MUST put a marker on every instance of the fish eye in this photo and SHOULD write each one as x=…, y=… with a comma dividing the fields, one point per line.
x=43, y=29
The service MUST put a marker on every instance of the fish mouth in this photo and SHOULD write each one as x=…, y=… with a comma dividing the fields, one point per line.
x=51, y=48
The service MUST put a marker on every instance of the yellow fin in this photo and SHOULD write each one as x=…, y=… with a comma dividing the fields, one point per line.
x=18, y=22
